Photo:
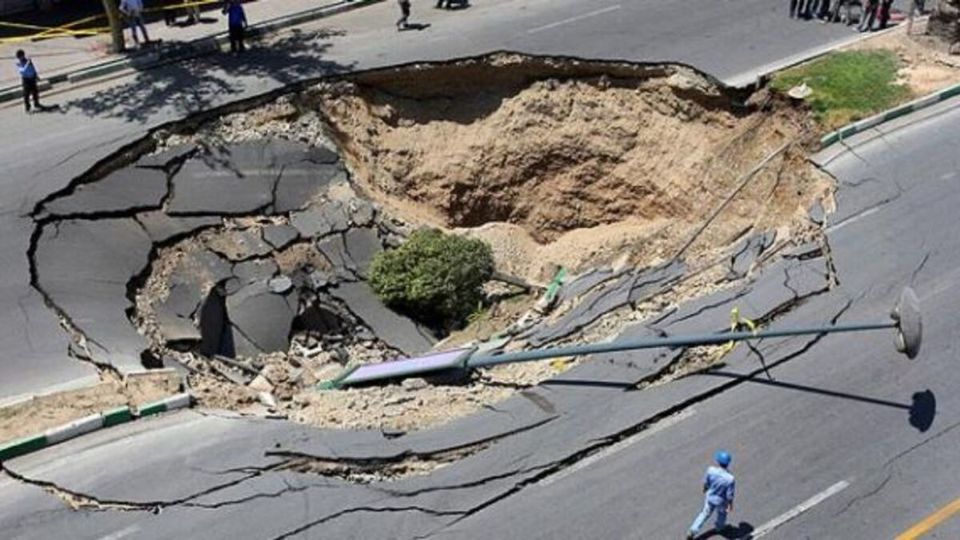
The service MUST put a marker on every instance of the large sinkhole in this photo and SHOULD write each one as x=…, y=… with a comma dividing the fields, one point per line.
x=239, y=246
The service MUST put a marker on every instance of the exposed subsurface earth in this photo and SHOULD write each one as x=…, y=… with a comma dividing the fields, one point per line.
x=237, y=251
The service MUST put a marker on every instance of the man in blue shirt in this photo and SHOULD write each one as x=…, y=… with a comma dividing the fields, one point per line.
x=236, y=24
x=29, y=78
x=718, y=486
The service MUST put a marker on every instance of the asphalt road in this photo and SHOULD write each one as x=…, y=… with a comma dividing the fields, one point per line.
x=838, y=419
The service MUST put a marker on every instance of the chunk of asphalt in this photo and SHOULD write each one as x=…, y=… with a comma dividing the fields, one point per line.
x=238, y=245
x=310, y=223
x=256, y=270
x=182, y=300
x=817, y=213
x=160, y=227
x=585, y=282
x=217, y=185
x=362, y=212
x=652, y=281
x=397, y=331
x=166, y=158
x=614, y=295
x=300, y=183
x=261, y=316
x=279, y=236
x=280, y=284
x=124, y=190
x=202, y=267
x=83, y=266
x=335, y=215
x=362, y=245
x=747, y=252
x=334, y=249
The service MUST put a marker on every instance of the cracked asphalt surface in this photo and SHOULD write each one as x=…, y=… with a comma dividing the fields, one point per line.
x=576, y=457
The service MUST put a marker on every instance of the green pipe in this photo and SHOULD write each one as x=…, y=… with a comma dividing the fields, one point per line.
x=650, y=343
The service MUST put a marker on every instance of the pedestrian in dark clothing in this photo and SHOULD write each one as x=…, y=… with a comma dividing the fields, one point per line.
x=404, y=14
x=236, y=24
x=29, y=78
x=870, y=8
x=884, y=13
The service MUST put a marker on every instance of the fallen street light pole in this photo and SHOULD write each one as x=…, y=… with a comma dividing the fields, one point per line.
x=906, y=321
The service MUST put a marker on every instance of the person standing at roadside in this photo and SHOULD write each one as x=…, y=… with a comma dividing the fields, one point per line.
x=718, y=489
x=133, y=11
x=29, y=79
x=236, y=25
x=404, y=14
x=884, y=13
x=870, y=8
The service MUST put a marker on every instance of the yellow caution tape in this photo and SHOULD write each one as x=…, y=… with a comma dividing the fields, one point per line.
x=736, y=323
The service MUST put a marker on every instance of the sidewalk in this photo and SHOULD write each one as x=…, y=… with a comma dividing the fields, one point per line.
x=58, y=58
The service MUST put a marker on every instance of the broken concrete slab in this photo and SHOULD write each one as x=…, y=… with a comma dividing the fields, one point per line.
x=177, y=330
x=855, y=198
x=161, y=228
x=397, y=331
x=261, y=316
x=279, y=236
x=816, y=213
x=166, y=158
x=239, y=245
x=362, y=244
x=124, y=190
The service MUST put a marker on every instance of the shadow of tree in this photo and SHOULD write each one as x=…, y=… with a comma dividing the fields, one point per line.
x=189, y=86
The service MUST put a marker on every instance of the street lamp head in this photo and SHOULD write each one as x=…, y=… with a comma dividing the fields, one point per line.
x=909, y=324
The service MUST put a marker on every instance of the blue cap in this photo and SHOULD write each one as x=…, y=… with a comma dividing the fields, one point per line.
x=723, y=458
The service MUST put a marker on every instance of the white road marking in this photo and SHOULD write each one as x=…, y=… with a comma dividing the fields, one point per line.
x=122, y=533
x=769, y=526
x=586, y=15
x=618, y=447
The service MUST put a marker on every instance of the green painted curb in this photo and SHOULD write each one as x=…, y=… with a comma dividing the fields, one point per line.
x=888, y=115
x=22, y=446
x=114, y=417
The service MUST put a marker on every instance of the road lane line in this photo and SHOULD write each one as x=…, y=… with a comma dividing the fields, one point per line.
x=122, y=533
x=618, y=447
x=586, y=15
x=769, y=526
x=930, y=522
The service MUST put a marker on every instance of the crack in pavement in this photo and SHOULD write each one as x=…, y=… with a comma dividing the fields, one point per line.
x=866, y=495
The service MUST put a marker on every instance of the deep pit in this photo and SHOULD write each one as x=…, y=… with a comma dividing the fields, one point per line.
x=597, y=167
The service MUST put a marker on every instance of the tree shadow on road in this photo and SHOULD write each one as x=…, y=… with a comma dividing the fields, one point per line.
x=922, y=409
x=190, y=86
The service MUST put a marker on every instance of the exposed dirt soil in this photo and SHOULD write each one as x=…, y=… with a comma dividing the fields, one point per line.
x=554, y=163
x=928, y=65
x=40, y=413
x=570, y=171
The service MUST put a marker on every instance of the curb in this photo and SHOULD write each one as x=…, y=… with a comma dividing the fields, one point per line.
x=89, y=424
x=191, y=49
x=891, y=114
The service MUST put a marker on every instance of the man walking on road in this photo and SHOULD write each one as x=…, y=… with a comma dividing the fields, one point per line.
x=236, y=24
x=718, y=487
x=133, y=11
x=29, y=78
